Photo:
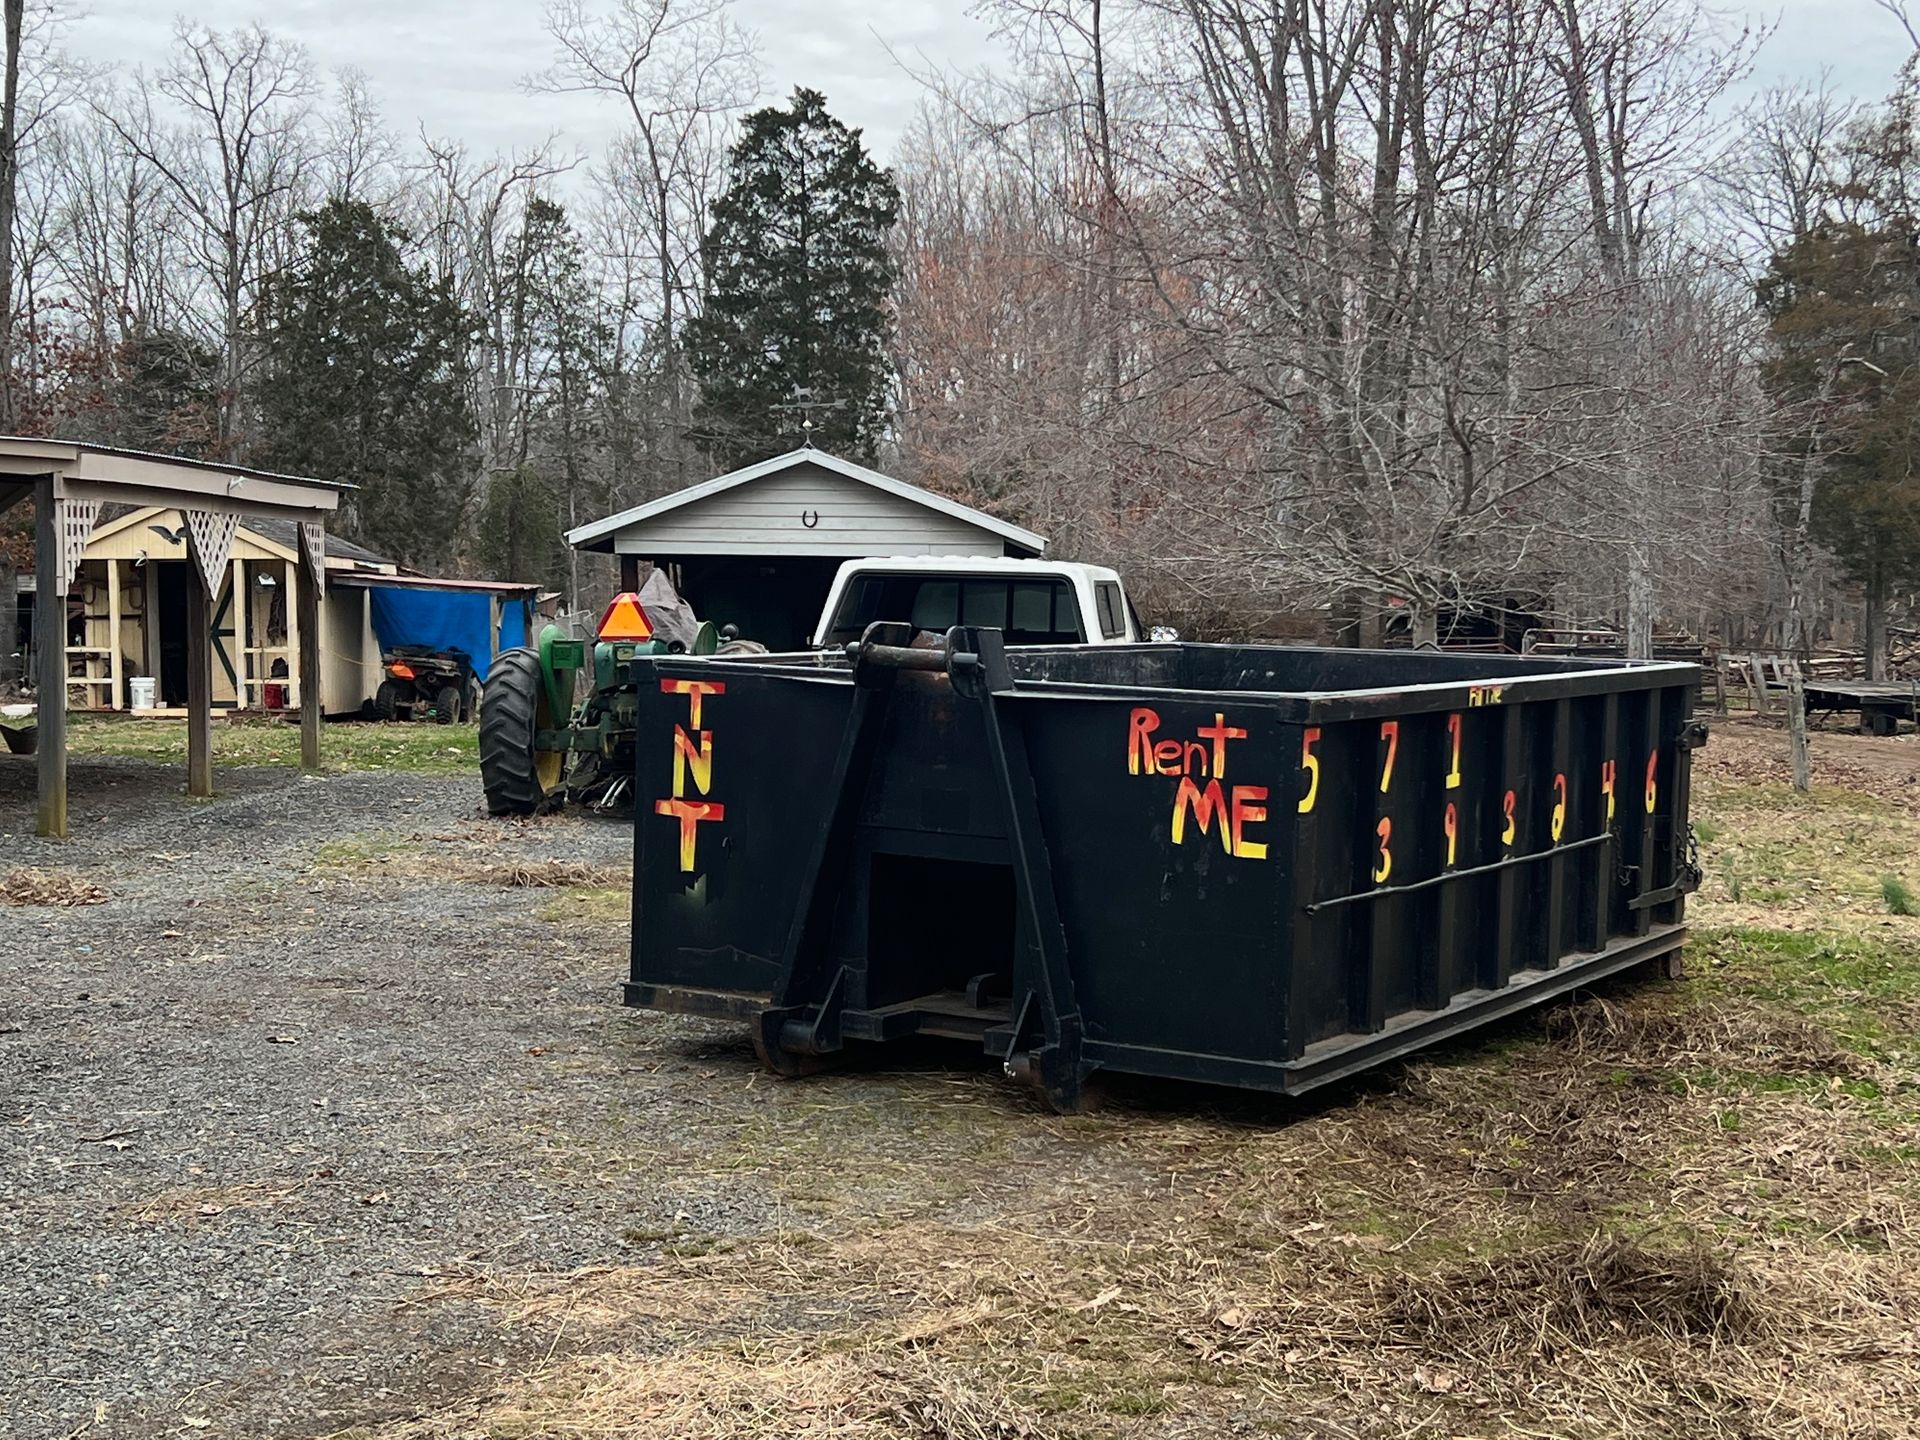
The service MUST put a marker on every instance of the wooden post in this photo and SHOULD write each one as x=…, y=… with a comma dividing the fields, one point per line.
x=242, y=604
x=308, y=660
x=1797, y=728
x=629, y=576
x=199, y=688
x=115, y=695
x=296, y=627
x=50, y=654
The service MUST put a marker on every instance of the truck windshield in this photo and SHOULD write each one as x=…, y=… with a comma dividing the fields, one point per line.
x=1031, y=612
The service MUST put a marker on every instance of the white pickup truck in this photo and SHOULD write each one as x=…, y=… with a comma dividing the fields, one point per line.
x=1035, y=602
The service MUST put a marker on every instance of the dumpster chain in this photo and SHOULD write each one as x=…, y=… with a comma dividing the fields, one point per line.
x=1690, y=874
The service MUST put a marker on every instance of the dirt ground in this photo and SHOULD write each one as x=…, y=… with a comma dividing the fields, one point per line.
x=322, y=1118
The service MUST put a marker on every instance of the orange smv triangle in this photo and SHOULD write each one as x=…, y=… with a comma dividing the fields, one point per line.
x=625, y=620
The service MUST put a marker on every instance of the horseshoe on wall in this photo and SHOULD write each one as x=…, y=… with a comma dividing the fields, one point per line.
x=809, y=518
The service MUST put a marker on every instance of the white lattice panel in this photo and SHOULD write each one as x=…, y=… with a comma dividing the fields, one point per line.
x=74, y=520
x=313, y=544
x=210, y=537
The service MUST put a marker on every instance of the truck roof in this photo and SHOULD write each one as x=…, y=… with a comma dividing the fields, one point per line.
x=980, y=565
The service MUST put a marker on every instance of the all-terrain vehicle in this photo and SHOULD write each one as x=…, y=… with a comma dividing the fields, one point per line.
x=423, y=683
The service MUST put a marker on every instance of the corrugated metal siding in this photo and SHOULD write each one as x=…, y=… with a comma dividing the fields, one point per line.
x=767, y=517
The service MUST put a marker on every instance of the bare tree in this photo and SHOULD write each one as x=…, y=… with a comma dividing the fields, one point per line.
x=682, y=69
x=232, y=145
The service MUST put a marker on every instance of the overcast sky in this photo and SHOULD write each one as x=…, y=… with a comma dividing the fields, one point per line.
x=455, y=66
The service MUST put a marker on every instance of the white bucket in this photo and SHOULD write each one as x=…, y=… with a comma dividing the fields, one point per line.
x=140, y=691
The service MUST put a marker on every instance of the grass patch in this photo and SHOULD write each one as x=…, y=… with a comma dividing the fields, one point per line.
x=361, y=851
x=1862, y=988
x=399, y=746
x=1899, y=898
x=589, y=905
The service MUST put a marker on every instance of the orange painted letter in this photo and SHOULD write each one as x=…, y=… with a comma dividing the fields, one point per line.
x=1207, y=806
x=698, y=690
x=690, y=813
x=1249, y=808
x=686, y=757
x=1140, y=727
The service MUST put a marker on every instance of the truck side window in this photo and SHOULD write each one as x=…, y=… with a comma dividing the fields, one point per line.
x=1113, y=620
x=1032, y=608
x=936, y=606
x=1067, y=629
x=984, y=602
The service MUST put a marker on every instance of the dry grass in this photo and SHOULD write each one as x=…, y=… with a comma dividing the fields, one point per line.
x=27, y=885
x=546, y=875
x=1670, y=1210
x=467, y=857
x=190, y=1203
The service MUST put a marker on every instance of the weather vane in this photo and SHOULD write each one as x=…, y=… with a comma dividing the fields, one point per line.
x=805, y=404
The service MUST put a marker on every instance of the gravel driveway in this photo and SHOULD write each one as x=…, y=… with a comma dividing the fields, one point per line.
x=286, y=1078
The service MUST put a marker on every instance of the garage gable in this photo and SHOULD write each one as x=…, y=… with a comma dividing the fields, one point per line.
x=805, y=502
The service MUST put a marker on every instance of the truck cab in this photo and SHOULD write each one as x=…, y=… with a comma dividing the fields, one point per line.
x=1035, y=602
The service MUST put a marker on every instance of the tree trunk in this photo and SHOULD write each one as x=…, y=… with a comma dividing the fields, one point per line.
x=9, y=619
x=1426, y=626
x=9, y=189
x=1876, y=624
x=1639, y=598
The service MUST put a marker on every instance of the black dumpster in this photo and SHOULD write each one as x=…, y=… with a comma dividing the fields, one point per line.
x=1257, y=866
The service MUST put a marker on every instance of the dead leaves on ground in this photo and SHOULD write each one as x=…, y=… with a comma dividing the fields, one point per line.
x=29, y=885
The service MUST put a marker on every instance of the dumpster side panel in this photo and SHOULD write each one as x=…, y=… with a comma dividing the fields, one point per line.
x=732, y=777
x=1164, y=834
x=1461, y=847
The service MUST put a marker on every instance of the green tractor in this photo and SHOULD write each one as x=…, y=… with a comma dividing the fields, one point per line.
x=537, y=747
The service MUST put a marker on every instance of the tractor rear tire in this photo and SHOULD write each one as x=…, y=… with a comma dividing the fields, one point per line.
x=386, y=701
x=517, y=778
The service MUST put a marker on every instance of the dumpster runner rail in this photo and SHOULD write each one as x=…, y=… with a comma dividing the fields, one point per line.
x=1267, y=867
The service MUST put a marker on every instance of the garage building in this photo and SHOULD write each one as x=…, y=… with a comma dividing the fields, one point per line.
x=758, y=547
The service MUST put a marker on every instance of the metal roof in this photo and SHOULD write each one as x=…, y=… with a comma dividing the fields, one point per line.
x=371, y=580
x=591, y=536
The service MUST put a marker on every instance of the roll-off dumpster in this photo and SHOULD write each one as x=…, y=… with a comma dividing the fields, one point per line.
x=1257, y=866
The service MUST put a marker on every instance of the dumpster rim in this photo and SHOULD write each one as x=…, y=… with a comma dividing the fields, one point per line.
x=1582, y=677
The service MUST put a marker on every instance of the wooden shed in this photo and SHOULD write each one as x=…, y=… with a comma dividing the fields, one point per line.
x=758, y=547
x=127, y=616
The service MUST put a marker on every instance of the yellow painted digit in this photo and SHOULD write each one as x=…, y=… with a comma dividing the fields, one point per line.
x=1606, y=787
x=1310, y=762
x=1389, y=732
x=1506, y=835
x=1453, y=828
x=1559, y=821
x=1453, y=775
x=1383, y=867
x=1653, y=766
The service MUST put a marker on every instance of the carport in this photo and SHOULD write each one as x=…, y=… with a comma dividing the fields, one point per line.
x=68, y=482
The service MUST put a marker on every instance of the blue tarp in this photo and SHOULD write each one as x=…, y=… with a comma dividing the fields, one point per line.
x=446, y=620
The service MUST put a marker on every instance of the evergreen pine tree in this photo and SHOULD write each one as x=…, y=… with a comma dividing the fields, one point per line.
x=365, y=383
x=1841, y=302
x=798, y=289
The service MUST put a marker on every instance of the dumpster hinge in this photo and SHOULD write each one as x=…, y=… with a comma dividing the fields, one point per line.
x=804, y=1030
